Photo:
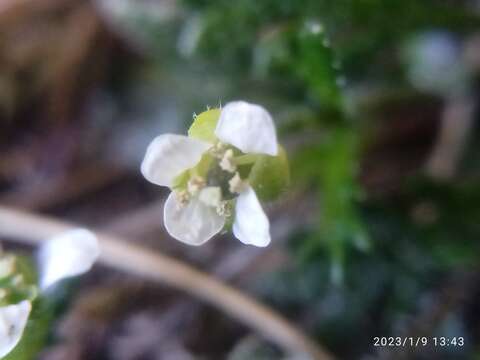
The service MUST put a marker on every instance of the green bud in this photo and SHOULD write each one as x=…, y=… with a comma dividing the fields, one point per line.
x=270, y=175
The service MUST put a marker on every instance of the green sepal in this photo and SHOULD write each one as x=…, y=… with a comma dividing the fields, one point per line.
x=203, y=127
x=180, y=182
x=201, y=169
x=270, y=175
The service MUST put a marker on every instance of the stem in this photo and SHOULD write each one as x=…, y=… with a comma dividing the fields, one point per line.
x=124, y=256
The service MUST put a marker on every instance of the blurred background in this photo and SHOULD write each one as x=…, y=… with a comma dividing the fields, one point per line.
x=377, y=105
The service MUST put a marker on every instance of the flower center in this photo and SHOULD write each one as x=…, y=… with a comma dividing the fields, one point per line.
x=217, y=180
x=13, y=284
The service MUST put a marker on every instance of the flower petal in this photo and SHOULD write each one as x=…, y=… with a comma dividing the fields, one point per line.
x=194, y=223
x=13, y=319
x=251, y=225
x=248, y=127
x=69, y=254
x=211, y=196
x=168, y=155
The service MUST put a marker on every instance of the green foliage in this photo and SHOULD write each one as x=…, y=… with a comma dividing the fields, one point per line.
x=417, y=239
x=315, y=64
x=331, y=168
x=359, y=33
x=304, y=53
x=312, y=47
x=442, y=219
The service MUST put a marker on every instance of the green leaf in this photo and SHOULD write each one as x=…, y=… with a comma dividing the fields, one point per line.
x=331, y=166
x=315, y=65
x=203, y=127
x=270, y=175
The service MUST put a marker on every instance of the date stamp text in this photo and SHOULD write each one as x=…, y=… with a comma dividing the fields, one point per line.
x=419, y=341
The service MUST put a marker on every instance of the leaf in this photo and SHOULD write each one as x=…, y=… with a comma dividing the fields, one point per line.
x=203, y=127
x=270, y=175
x=315, y=65
x=331, y=166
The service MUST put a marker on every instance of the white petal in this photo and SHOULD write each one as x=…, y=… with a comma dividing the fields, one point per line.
x=194, y=223
x=13, y=319
x=168, y=155
x=251, y=225
x=69, y=254
x=211, y=196
x=248, y=127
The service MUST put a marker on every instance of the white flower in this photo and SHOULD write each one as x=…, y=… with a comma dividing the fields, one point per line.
x=178, y=153
x=13, y=319
x=248, y=127
x=194, y=218
x=69, y=254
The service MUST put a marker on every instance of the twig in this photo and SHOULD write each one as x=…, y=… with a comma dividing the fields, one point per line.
x=456, y=124
x=119, y=254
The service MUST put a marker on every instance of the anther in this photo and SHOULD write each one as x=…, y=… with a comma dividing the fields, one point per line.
x=236, y=184
x=227, y=163
x=195, y=184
